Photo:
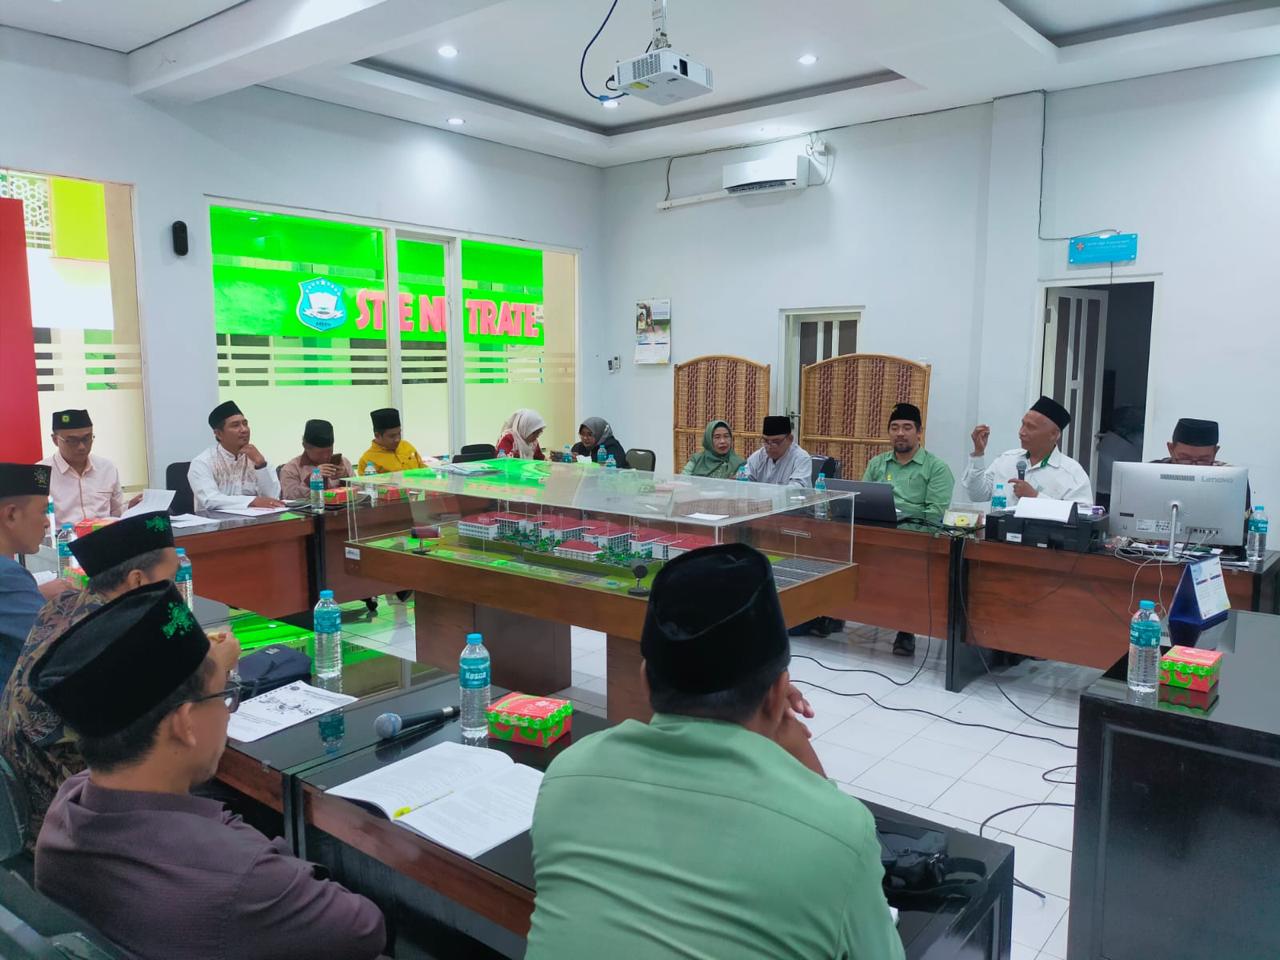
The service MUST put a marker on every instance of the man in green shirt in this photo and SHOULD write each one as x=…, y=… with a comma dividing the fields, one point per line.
x=710, y=831
x=922, y=483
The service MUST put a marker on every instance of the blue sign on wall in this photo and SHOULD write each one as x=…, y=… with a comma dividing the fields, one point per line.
x=1118, y=246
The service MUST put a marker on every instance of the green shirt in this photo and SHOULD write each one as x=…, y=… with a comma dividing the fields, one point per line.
x=921, y=487
x=694, y=838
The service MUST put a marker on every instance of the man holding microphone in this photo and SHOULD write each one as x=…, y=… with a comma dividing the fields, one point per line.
x=1036, y=469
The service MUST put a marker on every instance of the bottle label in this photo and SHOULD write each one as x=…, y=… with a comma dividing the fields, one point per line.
x=182, y=576
x=1258, y=525
x=473, y=673
x=1144, y=633
x=328, y=622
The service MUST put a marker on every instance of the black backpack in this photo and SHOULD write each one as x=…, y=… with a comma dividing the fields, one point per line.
x=916, y=864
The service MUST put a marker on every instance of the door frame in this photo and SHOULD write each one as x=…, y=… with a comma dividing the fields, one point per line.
x=1099, y=278
x=781, y=389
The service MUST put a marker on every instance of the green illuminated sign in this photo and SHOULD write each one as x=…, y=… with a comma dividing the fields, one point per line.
x=286, y=276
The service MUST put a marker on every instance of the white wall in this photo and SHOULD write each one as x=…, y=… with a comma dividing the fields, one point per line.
x=930, y=224
x=67, y=110
x=894, y=232
x=1189, y=161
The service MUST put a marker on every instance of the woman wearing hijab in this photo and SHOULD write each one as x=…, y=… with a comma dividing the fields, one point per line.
x=718, y=458
x=519, y=436
x=595, y=433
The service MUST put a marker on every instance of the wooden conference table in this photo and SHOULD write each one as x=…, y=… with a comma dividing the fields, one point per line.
x=433, y=897
x=978, y=594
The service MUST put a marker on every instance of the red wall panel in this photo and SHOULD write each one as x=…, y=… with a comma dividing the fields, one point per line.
x=19, y=407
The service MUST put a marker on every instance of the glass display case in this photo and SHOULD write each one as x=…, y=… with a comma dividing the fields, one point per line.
x=593, y=527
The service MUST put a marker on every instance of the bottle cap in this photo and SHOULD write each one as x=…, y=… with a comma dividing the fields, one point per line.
x=182, y=551
x=1147, y=605
x=475, y=638
x=1258, y=507
x=326, y=594
x=68, y=526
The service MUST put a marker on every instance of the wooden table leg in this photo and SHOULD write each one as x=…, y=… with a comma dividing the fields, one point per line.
x=626, y=696
x=529, y=655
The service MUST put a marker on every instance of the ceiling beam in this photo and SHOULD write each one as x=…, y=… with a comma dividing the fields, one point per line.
x=260, y=40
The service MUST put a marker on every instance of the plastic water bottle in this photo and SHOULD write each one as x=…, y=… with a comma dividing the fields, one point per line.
x=51, y=526
x=65, y=535
x=316, y=487
x=183, y=580
x=1144, y=648
x=602, y=455
x=821, y=510
x=611, y=463
x=742, y=473
x=1257, y=543
x=473, y=685
x=568, y=453
x=999, y=500
x=371, y=488
x=328, y=626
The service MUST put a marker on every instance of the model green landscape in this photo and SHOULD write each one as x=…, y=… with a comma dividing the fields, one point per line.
x=452, y=548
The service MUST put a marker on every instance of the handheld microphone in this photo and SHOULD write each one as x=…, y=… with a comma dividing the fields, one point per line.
x=388, y=725
x=1022, y=469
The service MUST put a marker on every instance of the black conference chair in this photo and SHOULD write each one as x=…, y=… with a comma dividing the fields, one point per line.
x=33, y=927
x=476, y=451
x=175, y=479
x=640, y=459
x=828, y=465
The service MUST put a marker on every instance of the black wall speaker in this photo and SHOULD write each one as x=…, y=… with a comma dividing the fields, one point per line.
x=180, y=238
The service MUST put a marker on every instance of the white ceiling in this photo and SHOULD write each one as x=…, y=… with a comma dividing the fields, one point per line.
x=529, y=55
x=515, y=79
x=122, y=25
x=1063, y=18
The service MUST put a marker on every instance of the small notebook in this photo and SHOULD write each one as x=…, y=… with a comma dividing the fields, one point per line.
x=468, y=799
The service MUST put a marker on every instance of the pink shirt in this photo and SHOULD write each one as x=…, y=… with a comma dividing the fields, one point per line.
x=93, y=494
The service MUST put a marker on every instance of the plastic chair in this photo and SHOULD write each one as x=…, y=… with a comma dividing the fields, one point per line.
x=175, y=479
x=640, y=459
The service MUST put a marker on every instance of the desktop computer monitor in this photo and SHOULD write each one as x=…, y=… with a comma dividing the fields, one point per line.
x=1209, y=502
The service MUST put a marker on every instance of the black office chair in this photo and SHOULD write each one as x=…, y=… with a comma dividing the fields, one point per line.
x=175, y=479
x=640, y=459
x=476, y=451
x=33, y=927
x=828, y=465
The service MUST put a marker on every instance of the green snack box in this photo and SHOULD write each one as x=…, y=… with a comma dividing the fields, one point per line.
x=523, y=718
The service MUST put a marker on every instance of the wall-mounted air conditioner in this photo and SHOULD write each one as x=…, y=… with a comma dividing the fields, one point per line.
x=771, y=173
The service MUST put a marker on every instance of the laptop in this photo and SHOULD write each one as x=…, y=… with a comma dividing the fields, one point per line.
x=873, y=503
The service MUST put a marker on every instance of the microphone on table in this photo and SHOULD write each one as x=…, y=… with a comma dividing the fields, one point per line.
x=1022, y=469
x=388, y=725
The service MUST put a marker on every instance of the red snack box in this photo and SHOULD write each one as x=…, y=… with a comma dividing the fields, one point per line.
x=524, y=718
x=1190, y=668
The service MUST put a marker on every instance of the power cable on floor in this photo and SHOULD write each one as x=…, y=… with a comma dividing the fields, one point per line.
x=1024, y=806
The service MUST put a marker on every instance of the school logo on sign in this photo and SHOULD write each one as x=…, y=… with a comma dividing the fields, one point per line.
x=320, y=304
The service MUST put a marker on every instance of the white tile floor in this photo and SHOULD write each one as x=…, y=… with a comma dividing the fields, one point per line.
x=910, y=761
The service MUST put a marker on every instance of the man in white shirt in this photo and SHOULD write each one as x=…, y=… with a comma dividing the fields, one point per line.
x=82, y=486
x=781, y=460
x=1047, y=471
x=232, y=474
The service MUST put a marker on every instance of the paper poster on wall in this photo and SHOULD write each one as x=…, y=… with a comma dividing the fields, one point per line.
x=653, y=331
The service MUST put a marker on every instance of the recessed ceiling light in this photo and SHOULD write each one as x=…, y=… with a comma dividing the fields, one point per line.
x=455, y=121
x=609, y=104
x=448, y=51
x=808, y=60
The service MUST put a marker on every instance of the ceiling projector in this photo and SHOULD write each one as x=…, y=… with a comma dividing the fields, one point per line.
x=663, y=77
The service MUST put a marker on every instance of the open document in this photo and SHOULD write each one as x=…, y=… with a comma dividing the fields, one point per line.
x=468, y=799
x=283, y=707
x=153, y=501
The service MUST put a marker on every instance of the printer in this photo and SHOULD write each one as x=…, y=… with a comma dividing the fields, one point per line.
x=1078, y=533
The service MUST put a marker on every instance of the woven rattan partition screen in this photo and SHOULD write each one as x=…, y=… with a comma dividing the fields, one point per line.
x=845, y=404
x=719, y=388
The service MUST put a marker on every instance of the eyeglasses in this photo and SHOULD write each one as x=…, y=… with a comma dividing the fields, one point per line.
x=775, y=441
x=76, y=441
x=230, y=697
